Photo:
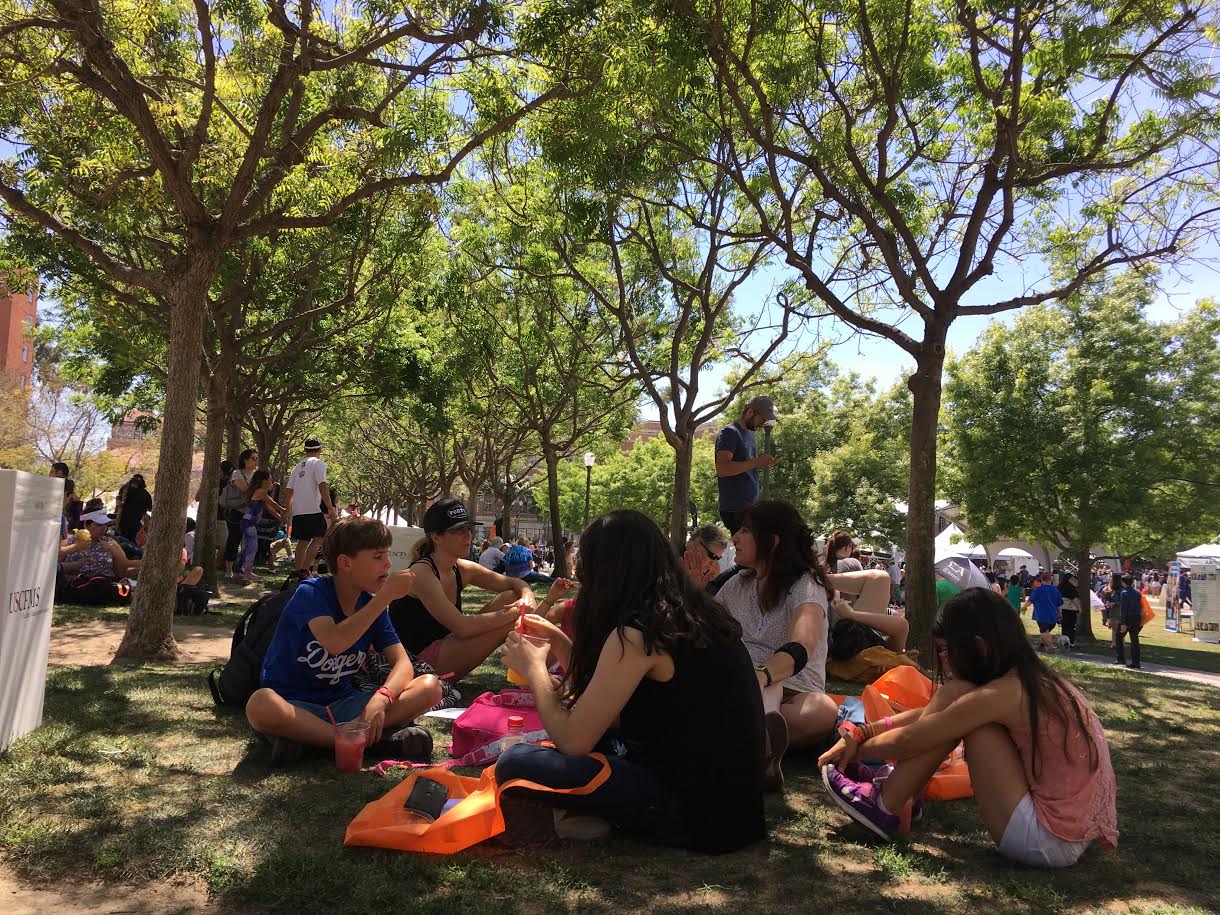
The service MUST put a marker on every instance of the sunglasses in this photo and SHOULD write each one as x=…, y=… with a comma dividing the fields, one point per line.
x=710, y=555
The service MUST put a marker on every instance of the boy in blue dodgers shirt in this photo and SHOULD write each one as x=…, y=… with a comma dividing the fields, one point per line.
x=319, y=645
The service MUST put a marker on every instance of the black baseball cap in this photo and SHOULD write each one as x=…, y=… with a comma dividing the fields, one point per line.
x=765, y=407
x=446, y=515
x=313, y=444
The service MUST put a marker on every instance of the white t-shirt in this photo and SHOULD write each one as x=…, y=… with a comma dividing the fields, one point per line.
x=304, y=481
x=490, y=558
x=762, y=633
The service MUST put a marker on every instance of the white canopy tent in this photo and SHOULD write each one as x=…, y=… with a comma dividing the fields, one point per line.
x=1204, y=552
x=1014, y=553
x=945, y=547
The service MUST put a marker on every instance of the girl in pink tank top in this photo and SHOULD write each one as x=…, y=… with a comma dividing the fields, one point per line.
x=1038, y=758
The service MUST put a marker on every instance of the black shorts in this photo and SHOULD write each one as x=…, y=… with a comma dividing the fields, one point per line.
x=308, y=527
x=1046, y=627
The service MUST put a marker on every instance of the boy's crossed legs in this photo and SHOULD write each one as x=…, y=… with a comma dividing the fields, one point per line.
x=270, y=713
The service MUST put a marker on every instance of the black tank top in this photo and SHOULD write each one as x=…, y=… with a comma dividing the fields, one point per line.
x=701, y=734
x=414, y=624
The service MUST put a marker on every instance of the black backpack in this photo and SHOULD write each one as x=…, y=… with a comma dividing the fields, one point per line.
x=191, y=600
x=235, y=683
x=848, y=638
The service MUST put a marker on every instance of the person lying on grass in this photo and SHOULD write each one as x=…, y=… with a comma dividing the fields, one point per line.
x=1037, y=755
x=319, y=645
x=655, y=656
x=430, y=620
x=779, y=598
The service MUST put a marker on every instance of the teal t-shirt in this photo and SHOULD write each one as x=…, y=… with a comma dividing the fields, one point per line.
x=1014, y=597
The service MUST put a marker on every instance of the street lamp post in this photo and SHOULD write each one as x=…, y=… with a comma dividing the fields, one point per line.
x=766, y=480
x=590, y=459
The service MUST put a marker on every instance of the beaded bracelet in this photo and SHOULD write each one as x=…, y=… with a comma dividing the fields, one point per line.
x=849, y=730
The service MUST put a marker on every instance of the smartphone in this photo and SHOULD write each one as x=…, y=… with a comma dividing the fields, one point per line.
x=427, y=799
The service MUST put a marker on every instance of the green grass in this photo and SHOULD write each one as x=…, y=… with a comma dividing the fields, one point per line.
x=1157, y=645
x=135, y=777
x=233, y=602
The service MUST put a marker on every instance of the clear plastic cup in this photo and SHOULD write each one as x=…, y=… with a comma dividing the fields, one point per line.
x=350, y=740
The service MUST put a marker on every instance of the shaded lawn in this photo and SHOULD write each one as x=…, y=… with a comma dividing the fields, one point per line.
x=234, y=600
x=1157, y=645
x=135, y=777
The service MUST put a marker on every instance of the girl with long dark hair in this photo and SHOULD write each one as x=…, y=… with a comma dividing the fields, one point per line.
x=780, y=600
x=259, y=493
x=655, y=653
x=1038, y=758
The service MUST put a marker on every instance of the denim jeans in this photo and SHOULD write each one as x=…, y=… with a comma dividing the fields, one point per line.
x=632, y=798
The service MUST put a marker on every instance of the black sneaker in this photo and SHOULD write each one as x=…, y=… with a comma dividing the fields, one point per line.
x=411, y=742
x=285, y=752
x=1119, y=661
x=775, y=730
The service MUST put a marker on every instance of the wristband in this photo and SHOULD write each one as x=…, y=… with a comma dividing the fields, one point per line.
x=762, y=669
x=849, y=730
x=382, y=691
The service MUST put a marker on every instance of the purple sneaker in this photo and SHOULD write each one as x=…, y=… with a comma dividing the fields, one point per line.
x=859, y=800
x=862, y=772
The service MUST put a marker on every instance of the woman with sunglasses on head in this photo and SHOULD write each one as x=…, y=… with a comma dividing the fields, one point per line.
x=1038, y=758
x=780, y=600
x=655, y=656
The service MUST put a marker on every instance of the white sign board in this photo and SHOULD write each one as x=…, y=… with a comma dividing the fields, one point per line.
x=1205, y=601
x=30, y=509
x=404, y=542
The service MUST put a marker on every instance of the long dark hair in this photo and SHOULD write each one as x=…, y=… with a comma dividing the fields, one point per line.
x=834, y=543
x=629, y=576
x=260, y=476
x=985, y=640
x=785, y=547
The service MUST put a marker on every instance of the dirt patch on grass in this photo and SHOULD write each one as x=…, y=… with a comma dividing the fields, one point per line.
x=97, y=898
x=95, y=641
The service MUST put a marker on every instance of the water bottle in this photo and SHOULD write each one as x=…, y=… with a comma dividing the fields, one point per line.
x=516, y=733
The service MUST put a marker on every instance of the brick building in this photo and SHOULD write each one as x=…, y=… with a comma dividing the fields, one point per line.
x=18, y=312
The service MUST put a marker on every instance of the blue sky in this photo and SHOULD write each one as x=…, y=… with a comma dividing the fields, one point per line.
x=879, y=359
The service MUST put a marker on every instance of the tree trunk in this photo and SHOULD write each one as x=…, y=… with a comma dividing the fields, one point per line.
x=925, y=385
x=1084, y=578
x=506, y=516
x=233, y=444
x=150, y=634
x=683, y=455
x=209, y=490
x=552, y=501
x=475, y=486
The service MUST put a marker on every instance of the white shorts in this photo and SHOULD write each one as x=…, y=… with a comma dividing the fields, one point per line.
x=1027, y=841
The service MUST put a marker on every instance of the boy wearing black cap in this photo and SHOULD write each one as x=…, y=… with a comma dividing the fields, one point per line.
x=306, y=496
x=430, y=620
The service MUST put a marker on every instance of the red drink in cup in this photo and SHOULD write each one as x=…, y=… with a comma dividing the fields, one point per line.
x=350, y=739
